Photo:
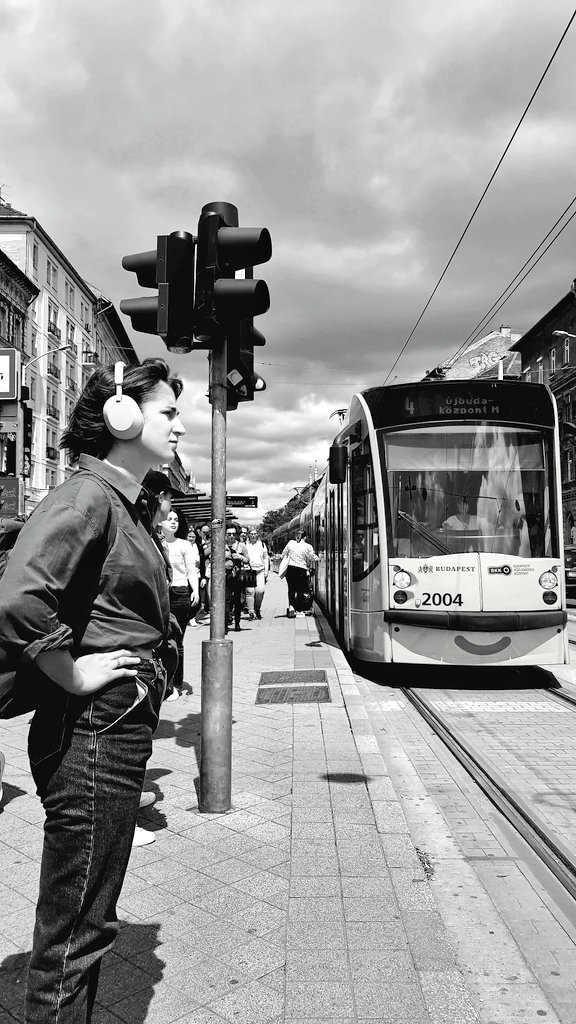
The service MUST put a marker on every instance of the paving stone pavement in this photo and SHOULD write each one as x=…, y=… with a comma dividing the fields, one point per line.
x=308, y=901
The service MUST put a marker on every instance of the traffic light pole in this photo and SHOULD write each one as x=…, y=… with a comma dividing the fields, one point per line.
x=216, y=755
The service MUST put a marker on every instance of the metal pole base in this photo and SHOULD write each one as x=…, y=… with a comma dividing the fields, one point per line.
x=216, y=752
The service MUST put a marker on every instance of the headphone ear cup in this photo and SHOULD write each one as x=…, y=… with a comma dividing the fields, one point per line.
x=123, y=417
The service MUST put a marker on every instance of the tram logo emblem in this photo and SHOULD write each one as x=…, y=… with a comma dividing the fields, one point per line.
x=499, y=570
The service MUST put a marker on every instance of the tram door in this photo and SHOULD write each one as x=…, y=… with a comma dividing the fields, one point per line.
x=331, y=553
x=336, y=558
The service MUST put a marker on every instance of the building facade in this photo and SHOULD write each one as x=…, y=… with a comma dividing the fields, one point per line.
x=548, y=353
x=71, y=328
x=17, y=292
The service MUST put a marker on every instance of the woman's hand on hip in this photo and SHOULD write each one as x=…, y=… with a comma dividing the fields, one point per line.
x=97, y=670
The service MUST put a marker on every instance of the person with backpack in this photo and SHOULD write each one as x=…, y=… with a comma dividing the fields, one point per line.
x=301, y=564
x=85, y=613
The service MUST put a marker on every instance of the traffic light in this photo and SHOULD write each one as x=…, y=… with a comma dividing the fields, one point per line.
x=28, y=426
x=223, y=301
x=170, y=268
x=240, y=342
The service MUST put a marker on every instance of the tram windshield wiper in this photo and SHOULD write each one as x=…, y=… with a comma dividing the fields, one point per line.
x=423, y=532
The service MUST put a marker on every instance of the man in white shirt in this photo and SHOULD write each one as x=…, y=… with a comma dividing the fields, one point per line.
x=301, y=561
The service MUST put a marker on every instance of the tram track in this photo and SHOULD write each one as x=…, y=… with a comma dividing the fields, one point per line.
x=519, y=812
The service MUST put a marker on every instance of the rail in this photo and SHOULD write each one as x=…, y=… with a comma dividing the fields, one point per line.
x=552, y=851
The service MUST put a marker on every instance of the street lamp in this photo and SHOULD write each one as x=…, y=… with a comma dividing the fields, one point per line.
x=564, y=334
x=43, y=355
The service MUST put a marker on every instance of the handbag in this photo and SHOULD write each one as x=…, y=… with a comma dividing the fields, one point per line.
x=248, y=577
x=283, y=566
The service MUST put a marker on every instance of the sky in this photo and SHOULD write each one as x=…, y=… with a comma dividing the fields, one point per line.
x=362, y=135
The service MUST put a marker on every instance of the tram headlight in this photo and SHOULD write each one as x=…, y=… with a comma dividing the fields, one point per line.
x=548, y=580
x=401, y=580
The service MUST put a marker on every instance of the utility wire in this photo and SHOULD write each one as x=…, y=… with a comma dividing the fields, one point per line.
x=476, y=208
x=522, y=279
x=481, y=325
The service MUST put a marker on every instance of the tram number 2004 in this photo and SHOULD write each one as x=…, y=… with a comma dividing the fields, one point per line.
x=442, y=599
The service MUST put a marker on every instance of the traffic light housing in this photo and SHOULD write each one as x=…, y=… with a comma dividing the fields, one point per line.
x=240, y=342
x=170, y=268
x=28, y=427
x=222, y=300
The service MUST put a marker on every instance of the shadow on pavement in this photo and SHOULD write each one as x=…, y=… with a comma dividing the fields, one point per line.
x=119, y=979
x=10, y=793
x=458, y=677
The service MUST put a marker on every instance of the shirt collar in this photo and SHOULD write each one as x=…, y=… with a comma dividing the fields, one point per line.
x=125, y=483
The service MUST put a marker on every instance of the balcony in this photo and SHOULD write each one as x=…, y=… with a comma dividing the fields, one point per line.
x=88, y=328
x=51, y=453
x=53, y=329
x=53, y=371
x=89, y=358
x=53, y=411
x=71, y=385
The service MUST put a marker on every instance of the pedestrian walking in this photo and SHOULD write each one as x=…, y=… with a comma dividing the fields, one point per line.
x=206, y=541
x=235, y=558
x=84, y=603
x=183, y=586
x=301, y=565
x=259, y=563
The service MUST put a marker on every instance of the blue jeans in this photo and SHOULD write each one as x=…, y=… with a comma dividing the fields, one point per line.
x=88, y=757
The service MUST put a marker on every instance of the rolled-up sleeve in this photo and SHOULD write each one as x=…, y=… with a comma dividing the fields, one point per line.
x=47, y=556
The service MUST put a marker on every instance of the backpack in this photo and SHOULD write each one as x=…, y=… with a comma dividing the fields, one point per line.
x=19, y=684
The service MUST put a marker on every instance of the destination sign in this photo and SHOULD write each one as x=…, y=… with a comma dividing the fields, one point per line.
x=242, y=500
x=512, y=401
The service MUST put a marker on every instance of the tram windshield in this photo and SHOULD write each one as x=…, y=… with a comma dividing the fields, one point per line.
x=468, y=487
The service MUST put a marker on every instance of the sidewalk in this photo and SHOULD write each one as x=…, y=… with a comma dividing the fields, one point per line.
x=307, y=902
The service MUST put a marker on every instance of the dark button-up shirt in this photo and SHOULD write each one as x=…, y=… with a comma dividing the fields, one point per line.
x=85, y=574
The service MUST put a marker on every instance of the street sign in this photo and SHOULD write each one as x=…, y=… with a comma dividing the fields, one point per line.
x=9, y=374
x=9, y=495
x=242, y=500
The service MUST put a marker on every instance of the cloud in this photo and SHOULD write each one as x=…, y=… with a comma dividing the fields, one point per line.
x=361, y=135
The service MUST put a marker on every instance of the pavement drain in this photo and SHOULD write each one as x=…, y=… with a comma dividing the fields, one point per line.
x=299, y=687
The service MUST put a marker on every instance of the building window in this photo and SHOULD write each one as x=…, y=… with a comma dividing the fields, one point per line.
x=17, y=332
x=527, y=374
x=566, y=360
x=35, y=257
x=4, y=323
x=540, y=366
x=52, y=275
x=552, y=360
x=69, y=295
x=569, y=466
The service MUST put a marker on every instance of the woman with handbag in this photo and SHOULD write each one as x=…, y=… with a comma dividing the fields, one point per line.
x=235, y=558
x=300, y=565
x=183, y=587
x=84, y=605
x=259, y=562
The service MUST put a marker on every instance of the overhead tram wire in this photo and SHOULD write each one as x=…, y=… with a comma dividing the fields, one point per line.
x=482, y=323
x=478, y=204
x=529, y=271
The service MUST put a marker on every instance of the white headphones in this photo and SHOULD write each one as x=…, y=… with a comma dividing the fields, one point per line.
x=122, y=415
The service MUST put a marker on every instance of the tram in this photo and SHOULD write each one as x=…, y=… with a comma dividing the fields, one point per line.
x=438, y=526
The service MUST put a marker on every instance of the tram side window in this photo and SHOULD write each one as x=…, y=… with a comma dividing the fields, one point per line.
x=364, y=532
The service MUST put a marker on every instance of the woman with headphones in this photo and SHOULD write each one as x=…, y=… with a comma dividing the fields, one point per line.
x=84, y=604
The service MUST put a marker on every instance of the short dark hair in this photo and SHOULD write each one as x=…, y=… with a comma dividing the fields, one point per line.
x=86, y=433
x=157, y=483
